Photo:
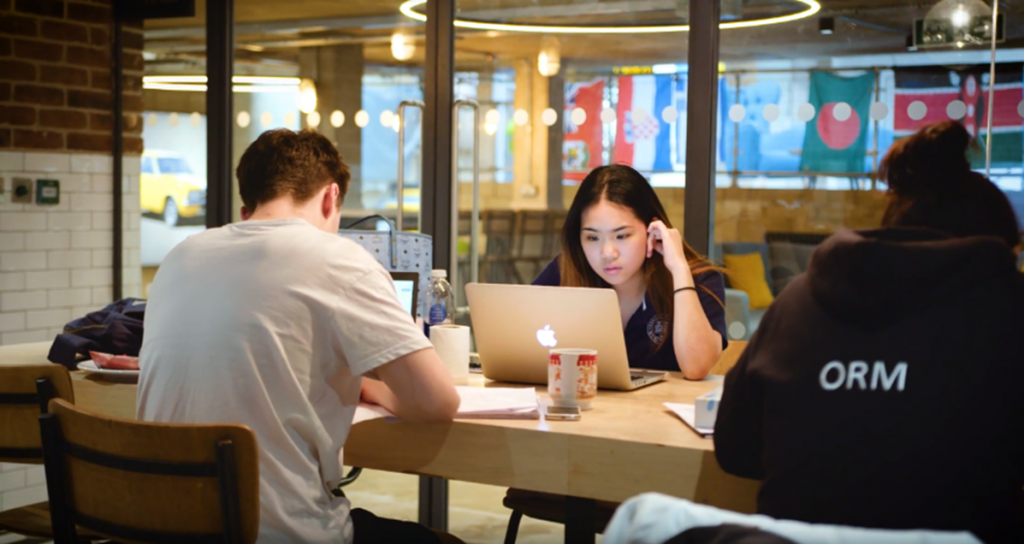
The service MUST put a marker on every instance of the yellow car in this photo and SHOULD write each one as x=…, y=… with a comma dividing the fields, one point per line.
x=169, y=188
x=410, y=200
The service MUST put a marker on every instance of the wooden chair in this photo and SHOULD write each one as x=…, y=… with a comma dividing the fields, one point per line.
x=149, y=482
x=553, y=234
x=496, y=264
x=548, y=507
x=25, y=391
x=552, y=507
x=529, y=251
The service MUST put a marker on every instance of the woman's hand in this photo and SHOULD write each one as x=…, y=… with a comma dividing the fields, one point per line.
x=668, y=242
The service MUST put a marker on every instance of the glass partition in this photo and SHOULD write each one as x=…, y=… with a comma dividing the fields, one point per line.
x=172, y=185
x=563, y=88
x=807, y=110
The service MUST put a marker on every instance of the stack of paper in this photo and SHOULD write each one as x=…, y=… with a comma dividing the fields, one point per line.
x=688, y=413
x=497, y=403
x=477, y=403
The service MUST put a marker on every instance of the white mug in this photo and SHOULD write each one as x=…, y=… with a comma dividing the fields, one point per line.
x=452, y=345
x=572, y=377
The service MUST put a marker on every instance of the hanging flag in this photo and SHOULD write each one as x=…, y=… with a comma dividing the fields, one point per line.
x=583, y=144
x=929, y=94
x=743, y=151
x=643, y=139
x=836, y=138
x=680, y=127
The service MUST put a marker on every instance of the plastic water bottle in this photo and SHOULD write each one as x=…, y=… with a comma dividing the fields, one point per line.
x=441, y=299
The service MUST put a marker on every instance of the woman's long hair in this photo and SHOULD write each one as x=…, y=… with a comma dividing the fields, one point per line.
x=931, y=185
x=624, y=186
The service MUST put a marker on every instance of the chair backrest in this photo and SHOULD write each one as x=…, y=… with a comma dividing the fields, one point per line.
x=149, y=482
x=21, y=404
x=729, y=357
x=531, y=229
x=498, y=228
x=553, y=236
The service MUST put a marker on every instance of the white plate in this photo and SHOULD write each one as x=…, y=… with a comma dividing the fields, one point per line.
x=90, y=366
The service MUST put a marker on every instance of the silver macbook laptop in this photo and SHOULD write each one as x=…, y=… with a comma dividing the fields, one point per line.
x=516, y=325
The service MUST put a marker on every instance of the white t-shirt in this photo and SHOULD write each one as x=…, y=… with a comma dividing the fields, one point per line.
x=271, y=324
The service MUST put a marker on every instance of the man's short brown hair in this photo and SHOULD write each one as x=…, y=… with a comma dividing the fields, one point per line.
x=285, y=162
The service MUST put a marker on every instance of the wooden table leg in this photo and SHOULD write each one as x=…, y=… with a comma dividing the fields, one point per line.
x=580, y=516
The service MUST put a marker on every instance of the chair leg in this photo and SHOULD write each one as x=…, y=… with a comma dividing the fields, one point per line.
x=513, y=527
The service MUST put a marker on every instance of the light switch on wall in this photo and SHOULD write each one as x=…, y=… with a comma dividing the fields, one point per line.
x=21, y=191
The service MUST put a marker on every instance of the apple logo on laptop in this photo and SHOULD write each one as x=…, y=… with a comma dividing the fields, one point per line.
x=546, y=337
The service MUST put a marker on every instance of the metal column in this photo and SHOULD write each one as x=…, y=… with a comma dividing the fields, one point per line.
x=220, y=54
x=435, y=207
x=117, y=74
x=702, y=107
x=439, y=95
x=556, y=135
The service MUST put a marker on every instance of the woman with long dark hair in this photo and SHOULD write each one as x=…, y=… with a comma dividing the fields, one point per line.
x=931, y=185
x=617, y=235
x=845, y=401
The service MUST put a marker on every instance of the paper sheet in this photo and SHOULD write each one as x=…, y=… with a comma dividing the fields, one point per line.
x=477, y=403
x=688, y=413
x=367, y=412
x=496, y=401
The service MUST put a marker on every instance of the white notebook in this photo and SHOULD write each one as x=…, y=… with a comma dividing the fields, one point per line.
x=477, y=403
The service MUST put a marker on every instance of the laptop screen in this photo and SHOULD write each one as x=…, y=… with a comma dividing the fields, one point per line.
x=405, y=287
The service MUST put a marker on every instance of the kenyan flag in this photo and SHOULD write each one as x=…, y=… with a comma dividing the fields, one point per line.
x=929, y=94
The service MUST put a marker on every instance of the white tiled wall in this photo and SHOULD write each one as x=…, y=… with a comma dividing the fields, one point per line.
x=21, y=485
x=56, y=263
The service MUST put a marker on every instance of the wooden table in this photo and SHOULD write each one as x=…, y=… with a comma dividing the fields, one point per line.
x=629, y=443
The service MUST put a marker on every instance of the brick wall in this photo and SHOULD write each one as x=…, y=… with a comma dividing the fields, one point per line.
x=55, y=83
x=55, y=123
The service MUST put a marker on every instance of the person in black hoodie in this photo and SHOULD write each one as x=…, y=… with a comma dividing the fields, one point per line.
x=883, y=387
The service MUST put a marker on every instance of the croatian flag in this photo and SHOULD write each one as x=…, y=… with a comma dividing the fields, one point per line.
x=644, y=139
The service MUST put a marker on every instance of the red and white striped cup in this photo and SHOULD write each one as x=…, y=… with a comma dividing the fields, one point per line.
x=572, y=377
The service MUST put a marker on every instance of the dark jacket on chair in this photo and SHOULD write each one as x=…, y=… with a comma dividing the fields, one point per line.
x=116, y=329
x=884, y=388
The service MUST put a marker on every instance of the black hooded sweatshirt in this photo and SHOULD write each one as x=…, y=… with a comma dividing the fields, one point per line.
x=885, y=388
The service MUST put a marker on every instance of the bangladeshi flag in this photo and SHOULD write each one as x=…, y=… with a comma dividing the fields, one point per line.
x=929, y=94
x=582, y=144
x=836, y=139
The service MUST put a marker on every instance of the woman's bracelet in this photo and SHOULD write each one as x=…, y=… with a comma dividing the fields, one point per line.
x=694, y=289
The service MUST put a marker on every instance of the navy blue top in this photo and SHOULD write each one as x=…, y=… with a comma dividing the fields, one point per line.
x=644, y=329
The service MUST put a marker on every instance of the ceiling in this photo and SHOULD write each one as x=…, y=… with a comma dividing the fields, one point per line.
x=269, y=41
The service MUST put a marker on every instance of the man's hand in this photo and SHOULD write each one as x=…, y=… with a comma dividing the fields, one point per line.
x=416, y=387
x=375, y=392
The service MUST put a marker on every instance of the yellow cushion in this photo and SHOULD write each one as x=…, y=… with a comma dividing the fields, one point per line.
x=746, y=273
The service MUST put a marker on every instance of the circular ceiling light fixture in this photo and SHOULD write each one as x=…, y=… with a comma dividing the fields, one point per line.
x=408, y=10
x=240, y=84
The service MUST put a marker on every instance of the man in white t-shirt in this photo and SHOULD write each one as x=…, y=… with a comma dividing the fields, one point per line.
x=273, y=323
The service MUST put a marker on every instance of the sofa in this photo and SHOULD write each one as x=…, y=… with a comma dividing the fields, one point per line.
x=784, y=256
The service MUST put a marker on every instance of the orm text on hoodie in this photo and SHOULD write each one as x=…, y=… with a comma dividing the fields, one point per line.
x=885, y=388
